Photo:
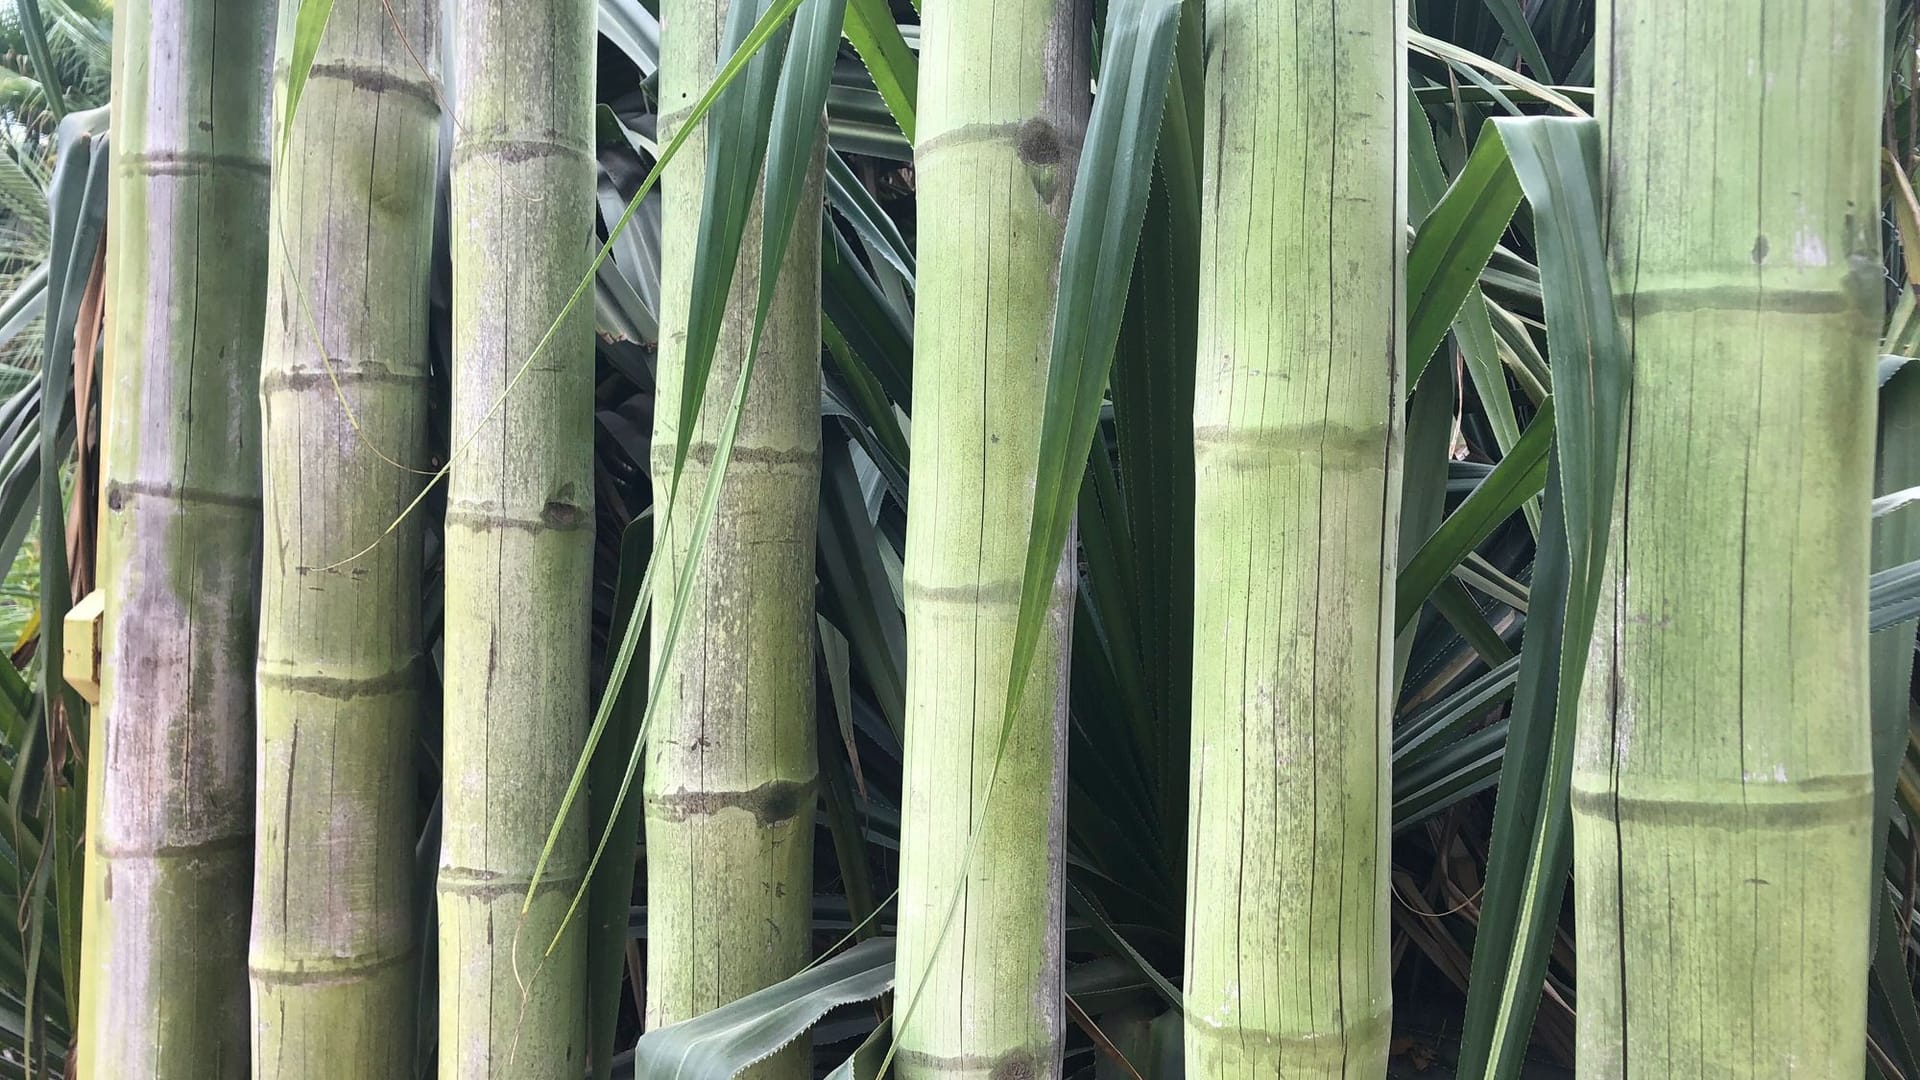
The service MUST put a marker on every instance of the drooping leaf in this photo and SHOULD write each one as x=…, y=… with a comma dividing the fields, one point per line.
x=1557, y=161
x=309, y=26
x=1453, y=245
x=1096, y=268
x=720, y=1044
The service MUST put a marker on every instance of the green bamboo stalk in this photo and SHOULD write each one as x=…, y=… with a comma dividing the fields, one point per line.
x=731, y=773
x=1722, y=782
x=1298, y=429
x=343, y=392
x=170, y=839
x=519, y=539
x=1002, y=111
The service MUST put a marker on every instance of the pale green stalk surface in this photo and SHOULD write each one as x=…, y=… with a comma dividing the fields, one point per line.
x=334, y=939
x=731, y=776
x=1722, y=784
x=170, y=840
x=1003, y=108
x=519, y=540
x=1297, y=431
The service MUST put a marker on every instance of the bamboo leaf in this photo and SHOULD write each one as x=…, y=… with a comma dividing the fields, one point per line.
x=762, y=32
x=1531, y=847
x=1896, y=539
x=308, y=28
x=788, y=144
x=720, y=1044
x=879, y=334
x=634, y=31
x=35, y=31
x=1096, y=268
x=857, y=205
x=854, y=593
x=1513, y=23
x=1136, y=520
x=739, y=131
x=1519, y=477
x=1558, y=164
x=800, y=102
x=79, y=196
x=1892, y=985
x=1471, y=63
x=895, y=70
x=1423, y=501
x=610, y=887
x=1453, y=245
x=1457, y=606
x=868, y=1059
x=1442, y=721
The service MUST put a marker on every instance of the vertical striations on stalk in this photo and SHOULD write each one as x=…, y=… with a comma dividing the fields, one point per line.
x=730, y=776
x=171, y=841
x=1004, y=95
x=1297, y=432
x=343, y=394
x=519, y=539
x=1722, y=786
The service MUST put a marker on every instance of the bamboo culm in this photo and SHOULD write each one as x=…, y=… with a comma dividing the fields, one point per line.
x=344, y=397
x=1722, y=783
x=1004, y=96
x=164, y=990
x=731, y=776
x=519, y=541
x=1297, y=436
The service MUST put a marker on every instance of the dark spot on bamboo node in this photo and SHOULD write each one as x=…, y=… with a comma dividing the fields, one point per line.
x=781, y=802
x=374, y=80
x=1760, y=248
x=206, y=125
x=772, y=803
x=116, y=498
x=1015, y=1066
x=561, y=515
x=1038, y=143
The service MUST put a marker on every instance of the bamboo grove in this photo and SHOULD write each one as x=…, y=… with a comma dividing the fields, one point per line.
x=997, y=539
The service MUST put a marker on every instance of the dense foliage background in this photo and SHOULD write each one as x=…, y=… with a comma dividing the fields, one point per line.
x=1476, y=717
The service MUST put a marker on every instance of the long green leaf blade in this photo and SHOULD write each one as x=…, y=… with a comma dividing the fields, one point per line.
x=1558, y=164
x=895, y=70
x=308, y=28
x=1519, y=477
x=1454, y=244
x=720, y=1044
x=1096, y=267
